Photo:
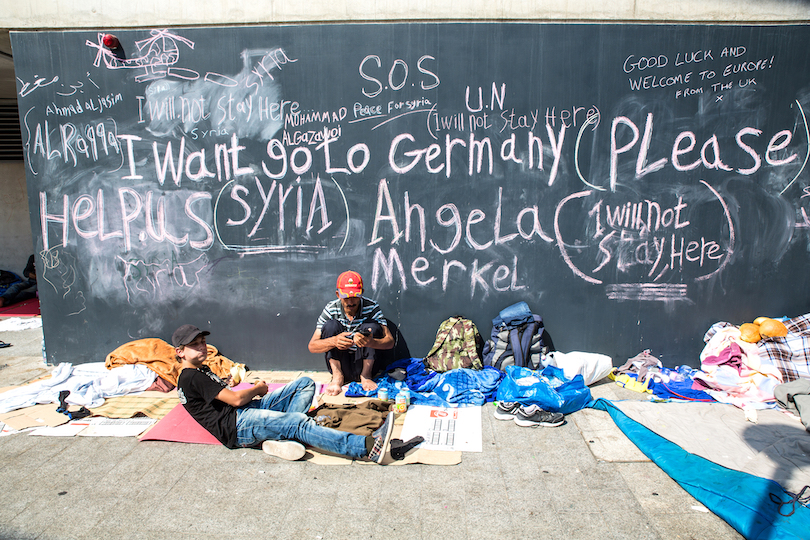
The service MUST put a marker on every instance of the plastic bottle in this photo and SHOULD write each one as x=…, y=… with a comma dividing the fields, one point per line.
x=685, y=371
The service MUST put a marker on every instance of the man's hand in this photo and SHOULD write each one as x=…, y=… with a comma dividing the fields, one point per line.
x=240, y=398
x=362, y=340
x=260, y=388
x=343, y=341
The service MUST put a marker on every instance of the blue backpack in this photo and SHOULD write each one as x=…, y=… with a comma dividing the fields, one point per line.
x=516, y=340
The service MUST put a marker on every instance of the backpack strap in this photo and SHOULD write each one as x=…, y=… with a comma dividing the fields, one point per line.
x=521, y=340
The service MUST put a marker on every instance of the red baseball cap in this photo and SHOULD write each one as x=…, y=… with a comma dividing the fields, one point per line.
x=349, y=284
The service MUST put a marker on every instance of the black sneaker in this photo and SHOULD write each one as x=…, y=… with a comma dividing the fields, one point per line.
x=382, y=439
x=506, y=410
x=533, y=416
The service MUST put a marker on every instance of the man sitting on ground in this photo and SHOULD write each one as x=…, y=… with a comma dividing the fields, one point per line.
x=277, y=421
x=351, y=331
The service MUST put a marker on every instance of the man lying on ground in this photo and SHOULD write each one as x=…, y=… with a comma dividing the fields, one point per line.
x=277, y=421
x=351, y=331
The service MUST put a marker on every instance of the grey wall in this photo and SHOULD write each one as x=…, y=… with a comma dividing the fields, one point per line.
x=15, y=224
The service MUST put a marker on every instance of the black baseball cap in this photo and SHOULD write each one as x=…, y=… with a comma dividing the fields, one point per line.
x=186, y=334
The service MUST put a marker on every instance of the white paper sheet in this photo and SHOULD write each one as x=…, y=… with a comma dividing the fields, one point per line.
x=116, y=427
x=449, y=429
x=5, y=430
x=70, y=429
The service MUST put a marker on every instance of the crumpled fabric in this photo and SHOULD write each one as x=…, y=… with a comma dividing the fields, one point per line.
x=643, y=365
x=14, y=324
x=678, y=383
x=455, y=388
x=89, y=385
x=795, y=397
x=733, y=371
x=630, y=381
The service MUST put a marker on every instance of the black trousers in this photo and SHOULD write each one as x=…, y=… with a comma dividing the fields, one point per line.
x=351, y=361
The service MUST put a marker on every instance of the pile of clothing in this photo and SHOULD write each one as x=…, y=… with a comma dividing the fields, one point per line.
x=732, y=370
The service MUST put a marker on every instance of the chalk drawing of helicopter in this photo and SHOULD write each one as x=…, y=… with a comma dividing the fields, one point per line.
x=157, y=56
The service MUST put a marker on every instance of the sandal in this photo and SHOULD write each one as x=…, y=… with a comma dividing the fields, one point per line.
x=3, y=344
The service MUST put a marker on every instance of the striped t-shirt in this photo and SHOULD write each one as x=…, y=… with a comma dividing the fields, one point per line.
x=369, y=312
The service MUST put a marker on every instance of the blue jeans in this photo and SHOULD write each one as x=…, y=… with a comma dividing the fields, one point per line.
x=280, y=415
x=22, y=290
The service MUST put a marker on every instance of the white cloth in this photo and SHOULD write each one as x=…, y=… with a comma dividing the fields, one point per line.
x=89, y=385
x=20, y=323
x=592, y=366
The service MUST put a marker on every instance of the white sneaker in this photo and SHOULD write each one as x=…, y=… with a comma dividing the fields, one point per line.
x=289, y=450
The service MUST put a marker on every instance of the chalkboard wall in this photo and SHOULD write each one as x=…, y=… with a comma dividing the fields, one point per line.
x=633, y=183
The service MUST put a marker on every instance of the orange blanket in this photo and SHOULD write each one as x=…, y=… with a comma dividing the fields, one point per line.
x=159, y=356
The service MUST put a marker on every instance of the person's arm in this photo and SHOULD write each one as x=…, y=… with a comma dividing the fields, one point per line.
x=239, y=398
x=322, y=345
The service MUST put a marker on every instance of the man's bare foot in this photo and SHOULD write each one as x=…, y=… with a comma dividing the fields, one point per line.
x=334, y=388
x=367, y=384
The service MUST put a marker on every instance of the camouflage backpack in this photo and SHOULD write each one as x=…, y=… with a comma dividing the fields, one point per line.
x=458, y=345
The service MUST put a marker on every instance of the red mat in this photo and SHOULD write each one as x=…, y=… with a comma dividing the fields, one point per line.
x=26, y=308
x=179, y=426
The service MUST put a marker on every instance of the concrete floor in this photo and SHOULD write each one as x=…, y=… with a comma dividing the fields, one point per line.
x=581, y=480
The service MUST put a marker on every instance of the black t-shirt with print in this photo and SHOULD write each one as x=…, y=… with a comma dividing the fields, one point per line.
x=198, y=389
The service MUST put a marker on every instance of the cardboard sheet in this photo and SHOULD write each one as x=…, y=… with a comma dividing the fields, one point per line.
x=36, y=416
x=419, y=455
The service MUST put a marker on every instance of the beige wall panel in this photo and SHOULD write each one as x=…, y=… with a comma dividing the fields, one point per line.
x=15, y=222
x=95, y=13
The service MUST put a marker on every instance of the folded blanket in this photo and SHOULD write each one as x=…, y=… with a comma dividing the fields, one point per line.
x=791, y=354
x=159, y=356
